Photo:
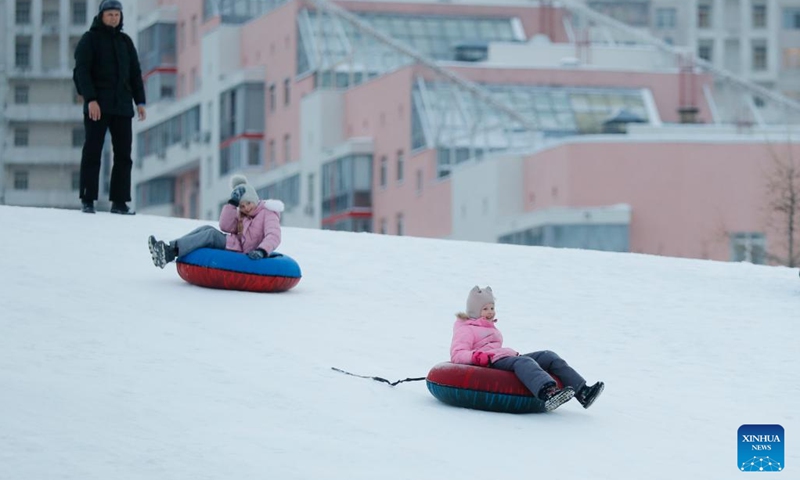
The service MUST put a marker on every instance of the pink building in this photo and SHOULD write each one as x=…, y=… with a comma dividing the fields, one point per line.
x=496, y=122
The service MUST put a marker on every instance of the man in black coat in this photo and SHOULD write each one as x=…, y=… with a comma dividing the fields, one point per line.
x=108, y=77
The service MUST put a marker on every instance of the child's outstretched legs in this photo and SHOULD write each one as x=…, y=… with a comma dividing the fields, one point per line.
x=201, y=237
x=551, y=362
x=538, y=381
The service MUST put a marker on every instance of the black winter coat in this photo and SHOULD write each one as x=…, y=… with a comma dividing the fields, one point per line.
x=107, y=70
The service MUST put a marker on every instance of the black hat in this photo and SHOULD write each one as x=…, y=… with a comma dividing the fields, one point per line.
x=110, y=5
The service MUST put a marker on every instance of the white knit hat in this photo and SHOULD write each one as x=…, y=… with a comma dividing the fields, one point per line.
x=477, y=299
x=250, y=194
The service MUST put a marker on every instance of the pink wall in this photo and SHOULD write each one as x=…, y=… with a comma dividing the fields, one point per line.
x=685, y=197
x=271, y=40
x=381, y=109
x=187, y=191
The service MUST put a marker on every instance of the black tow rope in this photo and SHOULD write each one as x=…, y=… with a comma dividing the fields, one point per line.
x=379, y=378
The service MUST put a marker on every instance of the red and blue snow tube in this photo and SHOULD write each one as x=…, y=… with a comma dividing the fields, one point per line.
x=481, y=388
x=228, y=270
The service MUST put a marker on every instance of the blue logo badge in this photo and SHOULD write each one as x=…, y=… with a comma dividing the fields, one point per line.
x=760, y=448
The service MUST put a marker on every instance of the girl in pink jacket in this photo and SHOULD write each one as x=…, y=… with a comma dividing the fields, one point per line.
x=248, y=225
x=477, y=341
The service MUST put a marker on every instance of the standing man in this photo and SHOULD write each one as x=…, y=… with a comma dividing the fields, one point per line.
x=108, y=77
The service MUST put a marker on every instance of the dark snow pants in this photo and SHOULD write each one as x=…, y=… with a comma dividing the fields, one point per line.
x=534, y=369
x=201, y=237
x=121, y=140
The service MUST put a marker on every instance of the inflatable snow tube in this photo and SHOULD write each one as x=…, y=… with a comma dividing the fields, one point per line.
x=228, y=270
x=481, y=388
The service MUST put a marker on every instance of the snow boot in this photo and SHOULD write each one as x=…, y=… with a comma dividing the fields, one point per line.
x=553, y=397
x=121, y=208
x=588, y=394
x=87, y=206
x=161, y=253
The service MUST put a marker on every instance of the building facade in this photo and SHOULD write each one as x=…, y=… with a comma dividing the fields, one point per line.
x=757, y=39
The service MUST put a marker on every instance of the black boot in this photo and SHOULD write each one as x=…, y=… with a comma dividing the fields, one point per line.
x=588, y=394
x=121, y=208
x=553, y=397
x=87, y=206
x=162, y=253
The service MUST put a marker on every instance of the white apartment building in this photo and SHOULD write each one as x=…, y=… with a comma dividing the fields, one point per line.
x=757, y=39
x=41, y=124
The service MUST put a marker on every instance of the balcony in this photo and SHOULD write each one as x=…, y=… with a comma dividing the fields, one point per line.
x=58, y=112
x=43, y=156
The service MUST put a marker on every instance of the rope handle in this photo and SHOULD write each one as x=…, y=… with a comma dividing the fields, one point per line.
x=379, y=379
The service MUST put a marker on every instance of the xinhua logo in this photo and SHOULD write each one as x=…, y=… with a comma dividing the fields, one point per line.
x=761, y=448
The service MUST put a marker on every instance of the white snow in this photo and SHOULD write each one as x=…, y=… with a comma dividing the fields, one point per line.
x=111, y=368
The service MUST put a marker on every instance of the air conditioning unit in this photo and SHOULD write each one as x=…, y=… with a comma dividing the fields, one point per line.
x=196, y=137
x=206, y=137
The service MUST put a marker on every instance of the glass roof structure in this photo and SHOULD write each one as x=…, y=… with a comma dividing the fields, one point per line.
x=462, y=126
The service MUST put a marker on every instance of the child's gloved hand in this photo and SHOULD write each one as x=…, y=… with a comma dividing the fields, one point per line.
x=482, y=359
x=236, y=195
x=257, y=254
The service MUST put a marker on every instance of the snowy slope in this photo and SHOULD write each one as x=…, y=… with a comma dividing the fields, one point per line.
x=113, y=369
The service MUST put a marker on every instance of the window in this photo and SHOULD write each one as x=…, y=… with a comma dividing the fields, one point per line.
x=78, y=12
x=705, y=50
x=759, y=15
x=791, y=18
x=272, y=97
x=748, y=247
x=76, y=180
x=21, y=180
x=759, y=57
x=383, y=226
x=23, y=12
x=400, y=166
x=382, y=173
x=181, y=36
x=21, y=137
x=287, y=94
x=21, y=94
x=419, y=182
x=273, y=157
x=400, y=225
x=310, y=187
x=704, y=16
x=287, y=148
x=666, y=18
x=193, y=33
x=78, y=136
x=22, y=52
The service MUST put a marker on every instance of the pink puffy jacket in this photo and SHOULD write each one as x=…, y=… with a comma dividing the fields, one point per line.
x=477, y=335
x=261, y=230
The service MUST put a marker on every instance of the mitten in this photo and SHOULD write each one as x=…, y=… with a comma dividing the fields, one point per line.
x=257, y=254
x=482, y=359
x=236, y=195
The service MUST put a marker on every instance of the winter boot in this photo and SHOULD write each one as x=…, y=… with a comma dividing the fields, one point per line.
x=87, y=206
x=161, y=253
x=588, y=394
x=553, y=397
x=121, y=208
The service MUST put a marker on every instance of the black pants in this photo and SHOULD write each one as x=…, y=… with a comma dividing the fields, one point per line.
x=121, y=139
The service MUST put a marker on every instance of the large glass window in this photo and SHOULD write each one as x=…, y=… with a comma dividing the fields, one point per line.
x=791, y=18
x=21, y=180
x=748, y=247
x=22, y=12
x=347, y=185
x=704, y=15
x=286, y=190
x=78, y=12
x=609, y=238
x=666, y=18
x=759, y=15
x=22, y=52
